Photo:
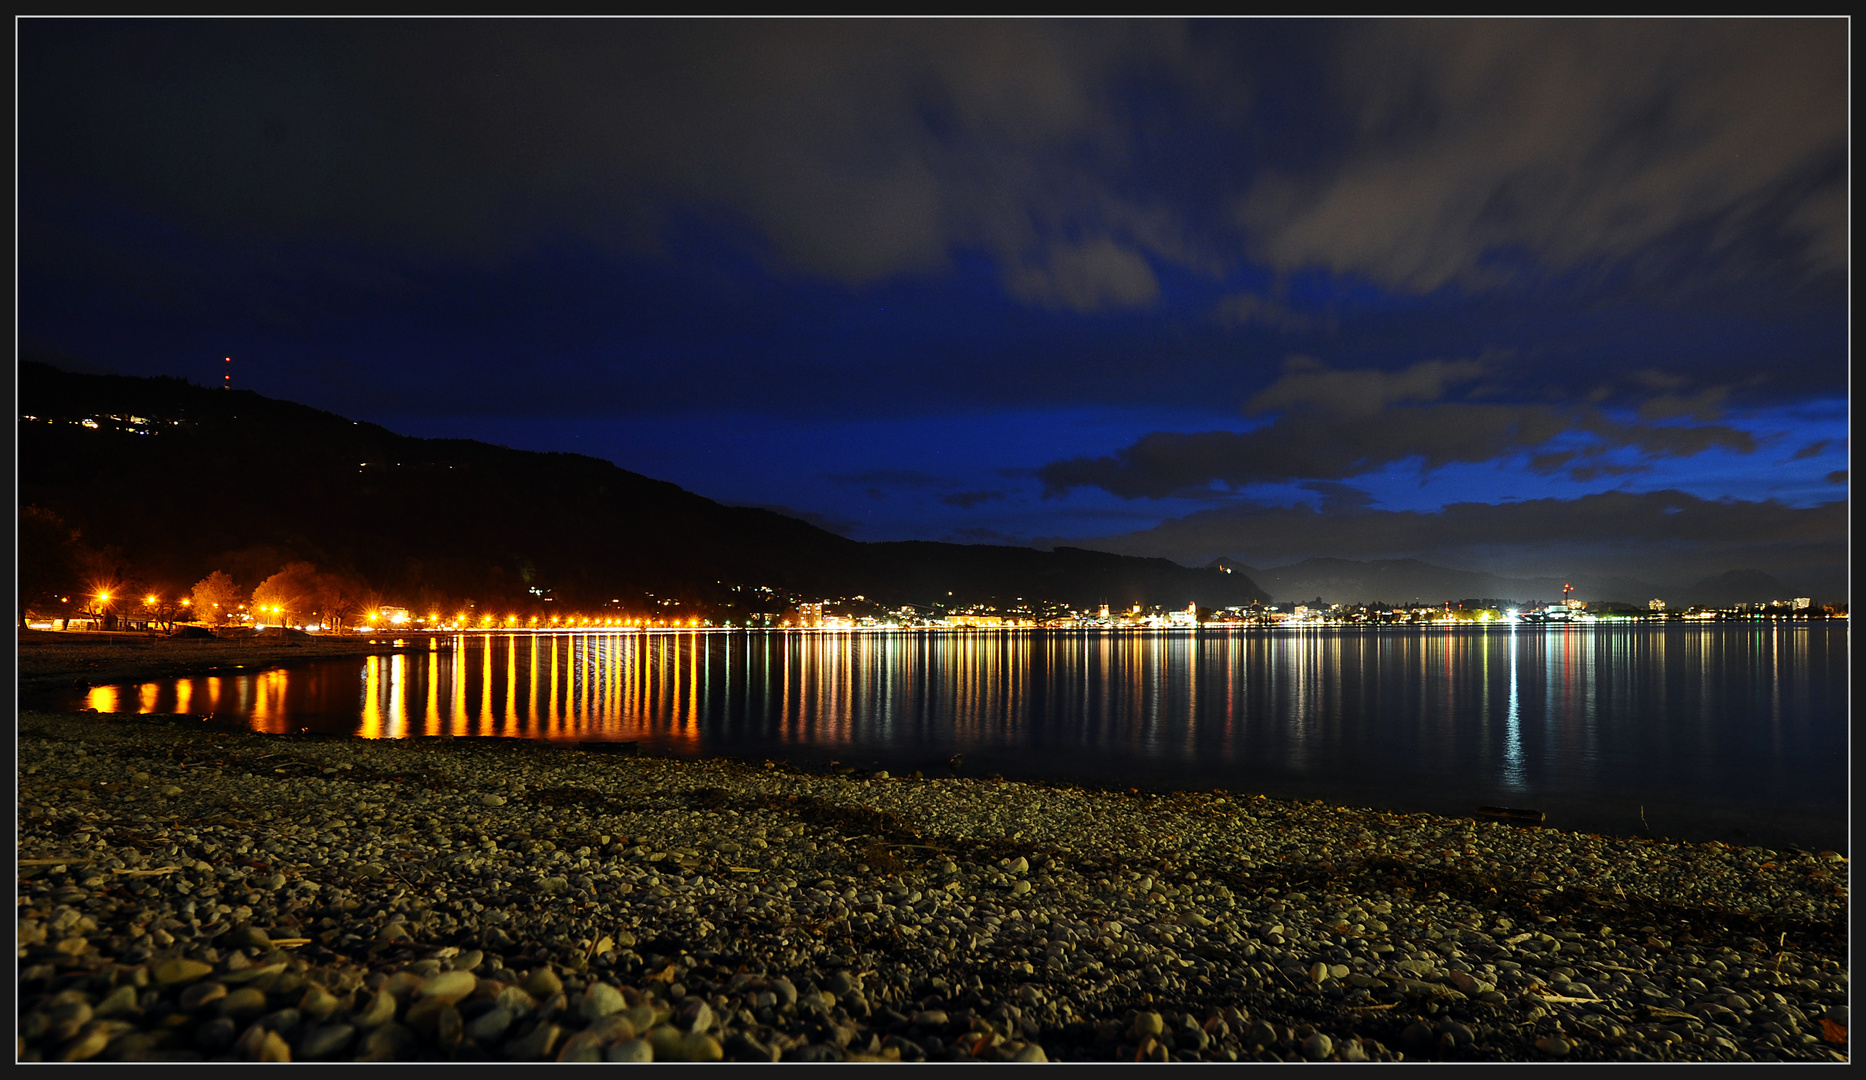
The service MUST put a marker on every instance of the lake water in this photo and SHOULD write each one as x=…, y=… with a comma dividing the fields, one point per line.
x=1734, y=731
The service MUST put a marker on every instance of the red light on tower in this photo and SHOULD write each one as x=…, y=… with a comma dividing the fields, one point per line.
x=226, y=379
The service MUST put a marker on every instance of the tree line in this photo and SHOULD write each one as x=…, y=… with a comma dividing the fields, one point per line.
x=63, y=578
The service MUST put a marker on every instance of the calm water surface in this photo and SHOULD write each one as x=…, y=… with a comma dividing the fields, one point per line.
x=1731, y=731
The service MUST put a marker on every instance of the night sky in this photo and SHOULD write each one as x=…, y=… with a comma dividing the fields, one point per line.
x=1521, y=296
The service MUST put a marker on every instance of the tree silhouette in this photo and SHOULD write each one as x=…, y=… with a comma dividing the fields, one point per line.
x=287, y=596
x=49, y=561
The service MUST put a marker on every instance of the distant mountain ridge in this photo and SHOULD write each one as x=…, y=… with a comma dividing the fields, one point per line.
x=184, y=480
x=1403, y=581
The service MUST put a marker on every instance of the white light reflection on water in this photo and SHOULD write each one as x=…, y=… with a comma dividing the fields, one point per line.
x=1513, y=777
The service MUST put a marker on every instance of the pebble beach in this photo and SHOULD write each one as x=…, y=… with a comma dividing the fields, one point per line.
x=192, y=892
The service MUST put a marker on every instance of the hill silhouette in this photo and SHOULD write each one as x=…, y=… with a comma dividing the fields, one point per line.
x=184, y=480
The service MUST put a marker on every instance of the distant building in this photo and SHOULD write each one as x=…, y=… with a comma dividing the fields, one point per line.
x=810, y=615
x=394, y=616
x=1803, y=603
x=977, y=621
x=1655, y=605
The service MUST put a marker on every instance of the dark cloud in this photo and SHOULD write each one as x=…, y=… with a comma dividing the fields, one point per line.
x=1339, y=424
x=966, y=500
x=1838, y=476
x=856, y=150
x=1570, y=141
x=1308, y=383
x=1666, y=536
x=1252, y=309
x=1813, y=449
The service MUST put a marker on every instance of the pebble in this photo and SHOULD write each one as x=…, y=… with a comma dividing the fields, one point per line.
x=601, y=1000
x=450, y=986
x=639, y=909
x=632, y=1050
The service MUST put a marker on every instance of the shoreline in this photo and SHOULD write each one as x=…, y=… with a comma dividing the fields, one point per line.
x=912, y=918
x=51, y=660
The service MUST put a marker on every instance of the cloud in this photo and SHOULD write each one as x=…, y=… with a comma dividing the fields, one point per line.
x=1086, y=277
x=1707, y=404
x=1813, y=449
x=857, y=151
x=965, y=500
x=1251, y=309
x=1339, y=424
x=1838, y=476
x=1664, y=535
x=1570, y=141
x=1306, y=382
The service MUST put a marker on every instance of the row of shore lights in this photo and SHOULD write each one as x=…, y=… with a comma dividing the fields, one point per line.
x=463, y=621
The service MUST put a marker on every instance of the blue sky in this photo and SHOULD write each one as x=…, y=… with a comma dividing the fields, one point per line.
x=1124, y=284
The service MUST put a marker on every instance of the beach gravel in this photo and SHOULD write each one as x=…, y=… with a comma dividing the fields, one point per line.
x=190, y=892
